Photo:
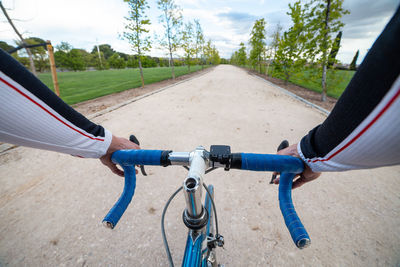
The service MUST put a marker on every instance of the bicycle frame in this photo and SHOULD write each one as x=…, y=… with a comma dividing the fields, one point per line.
x=198, y=218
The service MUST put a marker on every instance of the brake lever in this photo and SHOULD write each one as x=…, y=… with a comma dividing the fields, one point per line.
x=133, y=139
x=282, y=145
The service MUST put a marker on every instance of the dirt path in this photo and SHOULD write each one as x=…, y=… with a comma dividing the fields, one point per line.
x=51, y=205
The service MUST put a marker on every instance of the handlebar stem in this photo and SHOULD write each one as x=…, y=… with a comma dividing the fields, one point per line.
x=192, y=185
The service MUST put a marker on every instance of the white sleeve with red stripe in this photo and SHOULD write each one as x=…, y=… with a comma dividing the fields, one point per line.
x=27, y=121
x=374, y=143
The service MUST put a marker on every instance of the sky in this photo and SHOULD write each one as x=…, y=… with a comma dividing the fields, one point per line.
x=85, y=23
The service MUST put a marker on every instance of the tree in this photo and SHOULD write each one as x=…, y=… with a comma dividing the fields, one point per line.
x=276, y=37
x=106, y=49
x=290, y=55
x=70, y=58
x=99, y=61
x=334, y=50
x=31, y=63
x=234, y=58
x=211, y=54
x=149, y=62
x=64, y=47
x=188, y=43
x=208, y=52
x=257, y=42
x=199, y=41
x=323, y=20
x=39, y=54
x=132, y=62
x=215, y=58
x=123, y=55
x=60, y=55
x=6, y=47
x=353, y=64
x=172, y=23
x=136, y=32
x=116, y=62
x=241, y=55
x=75, y=60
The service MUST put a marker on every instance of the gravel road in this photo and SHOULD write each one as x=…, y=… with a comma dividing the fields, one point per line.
x=51, y=205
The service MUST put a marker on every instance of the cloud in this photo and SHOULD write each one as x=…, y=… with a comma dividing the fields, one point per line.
x=367, y=17
x=240, y=22
x=365, y=22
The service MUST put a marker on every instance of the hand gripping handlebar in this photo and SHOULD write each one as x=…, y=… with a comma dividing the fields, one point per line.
x=127, y=159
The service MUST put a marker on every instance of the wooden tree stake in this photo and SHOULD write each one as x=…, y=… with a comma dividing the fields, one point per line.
x=53, y=67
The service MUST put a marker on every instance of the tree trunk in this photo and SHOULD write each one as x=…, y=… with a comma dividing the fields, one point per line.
x=31, y=63
x=266, y=71
x=141, y=72
x=324, y=53
x=323, y=95
x=172, y=64
x=287, y=76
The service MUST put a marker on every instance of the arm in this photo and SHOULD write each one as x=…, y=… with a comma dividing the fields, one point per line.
x=363, y=129
x=32, y=115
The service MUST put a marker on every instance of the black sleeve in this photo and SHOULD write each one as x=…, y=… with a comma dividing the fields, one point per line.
x=371, y=82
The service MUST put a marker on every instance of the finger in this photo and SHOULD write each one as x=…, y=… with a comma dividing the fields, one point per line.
x=299, y=182
x=276, y=181
x=115, y=169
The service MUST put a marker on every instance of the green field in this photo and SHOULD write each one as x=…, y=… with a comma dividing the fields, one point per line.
x=337, y=80
x=79, y=86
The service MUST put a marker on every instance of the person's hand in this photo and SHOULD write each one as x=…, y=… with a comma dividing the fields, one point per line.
x=306, y=176
x=117, y=143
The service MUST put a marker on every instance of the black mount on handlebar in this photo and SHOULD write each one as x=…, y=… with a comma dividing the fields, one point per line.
x=221, y=154
x=282, y=145
x=133, y=139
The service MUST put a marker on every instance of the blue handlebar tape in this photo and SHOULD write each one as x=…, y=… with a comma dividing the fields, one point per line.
x=288, y=166
x=128, y=159
x=136, y=157
x=266, y=162
x=297, y=231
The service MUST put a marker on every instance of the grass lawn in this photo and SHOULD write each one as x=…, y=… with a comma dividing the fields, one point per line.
x=79, y=86
x=337, y=80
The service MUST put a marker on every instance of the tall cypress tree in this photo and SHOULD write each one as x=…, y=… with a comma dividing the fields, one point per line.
x=334, y=50
x=353, y=65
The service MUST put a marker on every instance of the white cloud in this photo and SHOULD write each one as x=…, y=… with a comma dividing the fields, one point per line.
x=227, y=23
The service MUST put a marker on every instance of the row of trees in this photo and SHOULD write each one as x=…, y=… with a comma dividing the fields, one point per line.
x=188, y=37
x=308, y=43
x=38, y=54
x=68, y=58
x=101, y=57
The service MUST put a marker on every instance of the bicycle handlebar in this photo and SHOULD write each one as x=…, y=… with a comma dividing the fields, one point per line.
x=128, y=159
x=288, y=166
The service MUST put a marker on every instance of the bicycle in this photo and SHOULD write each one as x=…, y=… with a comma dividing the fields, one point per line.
x=201, y=221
